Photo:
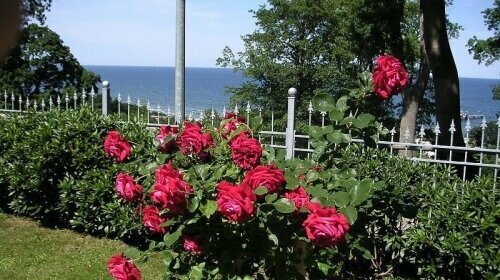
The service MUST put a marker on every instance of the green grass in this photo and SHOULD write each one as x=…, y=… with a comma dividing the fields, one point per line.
x=28, y=251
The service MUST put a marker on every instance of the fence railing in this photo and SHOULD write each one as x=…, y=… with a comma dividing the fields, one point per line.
x=484, y=156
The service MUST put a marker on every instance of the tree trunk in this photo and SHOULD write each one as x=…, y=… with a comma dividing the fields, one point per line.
x=413, y=95
x=444, y=71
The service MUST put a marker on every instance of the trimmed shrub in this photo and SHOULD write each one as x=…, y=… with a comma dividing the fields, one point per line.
x=424, y=221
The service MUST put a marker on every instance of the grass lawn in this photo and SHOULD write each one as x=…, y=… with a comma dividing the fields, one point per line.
x=28, y=251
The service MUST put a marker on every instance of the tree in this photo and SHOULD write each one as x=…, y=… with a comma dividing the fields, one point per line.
x=317, y=47
x=40, y=62
x=488, y=50
x=444, y=71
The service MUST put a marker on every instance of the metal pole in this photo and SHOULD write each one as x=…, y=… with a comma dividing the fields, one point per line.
x=105, y=97
x=180, y=59
x=290, y=125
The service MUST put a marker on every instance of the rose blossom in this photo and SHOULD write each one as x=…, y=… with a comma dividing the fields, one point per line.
x=170, y=190
x=192, y=140
x=299, y=197
x=192, y=245
x=269, y=176
x=127, y=188
x=151, y=219
x=235, y=202
x=230, y=124
x=165, y=131
x=116, y=146
x=325, y=227
x=122, y=269
x=389, y=77
x=246, y=151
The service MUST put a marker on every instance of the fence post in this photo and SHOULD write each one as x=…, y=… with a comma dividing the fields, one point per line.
x=106, y=94
x=290, y=124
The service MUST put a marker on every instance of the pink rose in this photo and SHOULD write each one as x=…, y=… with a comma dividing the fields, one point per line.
x=389, y=77
x=192, y=245
x=192, y=140
x=246, y=151
x=164, y=132
x=270, y=177
x=127, y=188
x=170, y=190
x=122, y=269
x=152, y=219
x=116, y=146
x=299, y=197
x=325, y=227
x=235, y=202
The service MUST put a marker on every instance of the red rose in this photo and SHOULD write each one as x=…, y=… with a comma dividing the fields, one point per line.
x=151, y=219
x=299, y=197
x=127, y=188
x=192, y=140
x=246, y=151
x=230, y=124
x=270, y=177
x=116, y=146
x=235, y=202
x=389, y=77
x=164, y=132
x=192, y=245
x=122, y=269
x=170, y=190
x=324, y=226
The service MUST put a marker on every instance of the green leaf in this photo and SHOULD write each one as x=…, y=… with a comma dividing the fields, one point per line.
x=316, y=132
x=335, y=137
x=256, y=123
x=324, y=268
x=132, y=252
x=323, y=102
x=196, y=272
x=342, y=104
x=284, y=205
x=273, y=238
x=209, y=208
x=351, y=213
x=336, y=115
x=318, y=192
x=171, y=238
x=363, y=121
x=260, y=190
x=193, y=204
x=202, y=170
x=161, y=158
x=341, y=199
x=291, y=180
x=167, y=257
x=360, y=192
x=271, y=197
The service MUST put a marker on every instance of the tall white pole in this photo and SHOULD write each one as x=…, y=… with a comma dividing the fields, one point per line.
x=180, y=61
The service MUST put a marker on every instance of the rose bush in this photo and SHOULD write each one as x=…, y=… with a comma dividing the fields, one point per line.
x=225, y=206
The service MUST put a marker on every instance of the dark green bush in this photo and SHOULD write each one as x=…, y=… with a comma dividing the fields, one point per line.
x=54, y=170
x=424, y=221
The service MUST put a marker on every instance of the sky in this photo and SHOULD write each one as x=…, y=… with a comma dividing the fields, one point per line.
x=142, y=33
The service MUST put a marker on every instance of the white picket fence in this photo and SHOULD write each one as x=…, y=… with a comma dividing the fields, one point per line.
x=422, y=150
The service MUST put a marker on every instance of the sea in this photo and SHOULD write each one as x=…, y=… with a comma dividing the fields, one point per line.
x=205, y=88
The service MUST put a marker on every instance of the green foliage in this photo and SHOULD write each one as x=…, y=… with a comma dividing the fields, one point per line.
x=316, y=47
x=488, y=50
x=41, y=63
x=423, y=221
x=54, y=170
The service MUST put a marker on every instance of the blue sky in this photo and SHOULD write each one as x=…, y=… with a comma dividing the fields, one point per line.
x=132, y=32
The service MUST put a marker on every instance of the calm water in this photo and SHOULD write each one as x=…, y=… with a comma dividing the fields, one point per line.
x=205, y=87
